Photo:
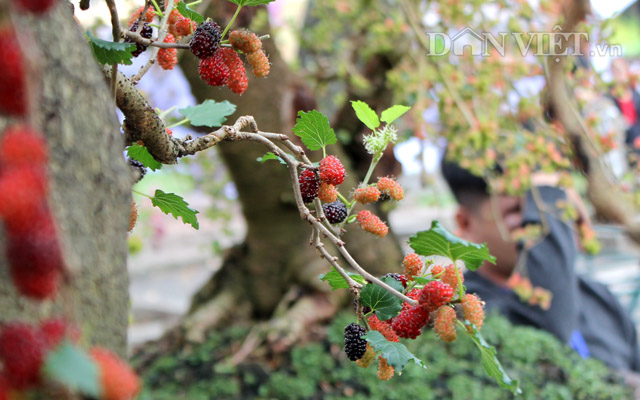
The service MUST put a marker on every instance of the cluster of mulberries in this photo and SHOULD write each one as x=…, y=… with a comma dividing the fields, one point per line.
x=24, y=348
x=322, y=185
x=251, y=45
x=32, y=246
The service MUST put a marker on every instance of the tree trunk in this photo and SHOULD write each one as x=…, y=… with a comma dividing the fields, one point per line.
x=274, y=268
x=89, y=182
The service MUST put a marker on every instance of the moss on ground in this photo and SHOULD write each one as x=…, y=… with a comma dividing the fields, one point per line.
x=545, y=368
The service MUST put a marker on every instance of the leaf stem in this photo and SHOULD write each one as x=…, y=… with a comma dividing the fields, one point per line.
x=182, y=122
x=166, y=112
x=193, y=3
x=231, y=21
x=142, y=194
x=324, y=151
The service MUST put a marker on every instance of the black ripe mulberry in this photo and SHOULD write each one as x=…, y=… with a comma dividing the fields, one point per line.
x=335, y=212
x=205, y=40
x=354, y=345
x=400, y=278
x=145, y=32
x=309, y=185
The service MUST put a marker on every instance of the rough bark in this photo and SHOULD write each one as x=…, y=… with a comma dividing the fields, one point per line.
x=90, y=183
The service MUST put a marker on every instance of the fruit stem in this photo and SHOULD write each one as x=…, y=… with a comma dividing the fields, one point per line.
x=231, y=22
x=158, y=10
x=193, y=3
x=344, y=199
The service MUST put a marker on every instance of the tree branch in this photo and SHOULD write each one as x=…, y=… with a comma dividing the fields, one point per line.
x=606, y=196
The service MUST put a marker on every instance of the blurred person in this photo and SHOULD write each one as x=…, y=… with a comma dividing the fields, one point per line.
x=582, y=313
x=626, y=98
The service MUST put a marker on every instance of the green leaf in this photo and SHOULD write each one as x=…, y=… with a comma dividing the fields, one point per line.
x=437, y=241
x=366, y=114
x=491, y=363
x=210, y=113
x=140, y=153
x=111, y=52
x=250, y=2
x=189, y=13
x=385, y=304
x=270, y=156
x=336, y=281
x=73, y=368
x=396, y=354
x=170, y=203
x=392, y=113
x=314, y=130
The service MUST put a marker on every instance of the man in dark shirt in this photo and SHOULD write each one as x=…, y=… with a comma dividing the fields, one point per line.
x=582, y=313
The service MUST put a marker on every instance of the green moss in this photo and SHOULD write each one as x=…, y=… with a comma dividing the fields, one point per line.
x=545, y=368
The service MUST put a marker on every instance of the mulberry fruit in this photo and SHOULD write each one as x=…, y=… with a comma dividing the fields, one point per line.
x=400, y=278
x=35, y=259
x=22, y=351
x=145, y=32
x=173, y=17
x=367, y=358
x=245, y=41
x=21, y=145
x=214, y=71
x=391, y=188
x=384, y=328
x=412, y=265
x=445, y=324
x=366, y=195
x=451, y=275
x=410, y=321
x=182, y=27
x=259, y=63
x=354, y=345
x=148, y=16
x=35, y=6
x=13, y=96
x=435, y=294
x=372, y=224
x=117, y=379
x=309, y=185
x=472, y=310
x=332, y=171
x=335, y=212
x=168, y=58
x=205, y=40
x=385, y=371
x=133, y=216
x=436, y=270
x=327, y=193
x=237, y=74
x=22, y=191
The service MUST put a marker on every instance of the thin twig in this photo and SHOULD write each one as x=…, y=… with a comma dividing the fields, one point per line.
x=151, y=42
x=115, y=31
x=162, y=32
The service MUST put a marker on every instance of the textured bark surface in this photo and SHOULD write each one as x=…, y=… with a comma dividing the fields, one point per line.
x=90, y=182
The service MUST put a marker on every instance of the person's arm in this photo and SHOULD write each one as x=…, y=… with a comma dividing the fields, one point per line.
x=550, y=264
